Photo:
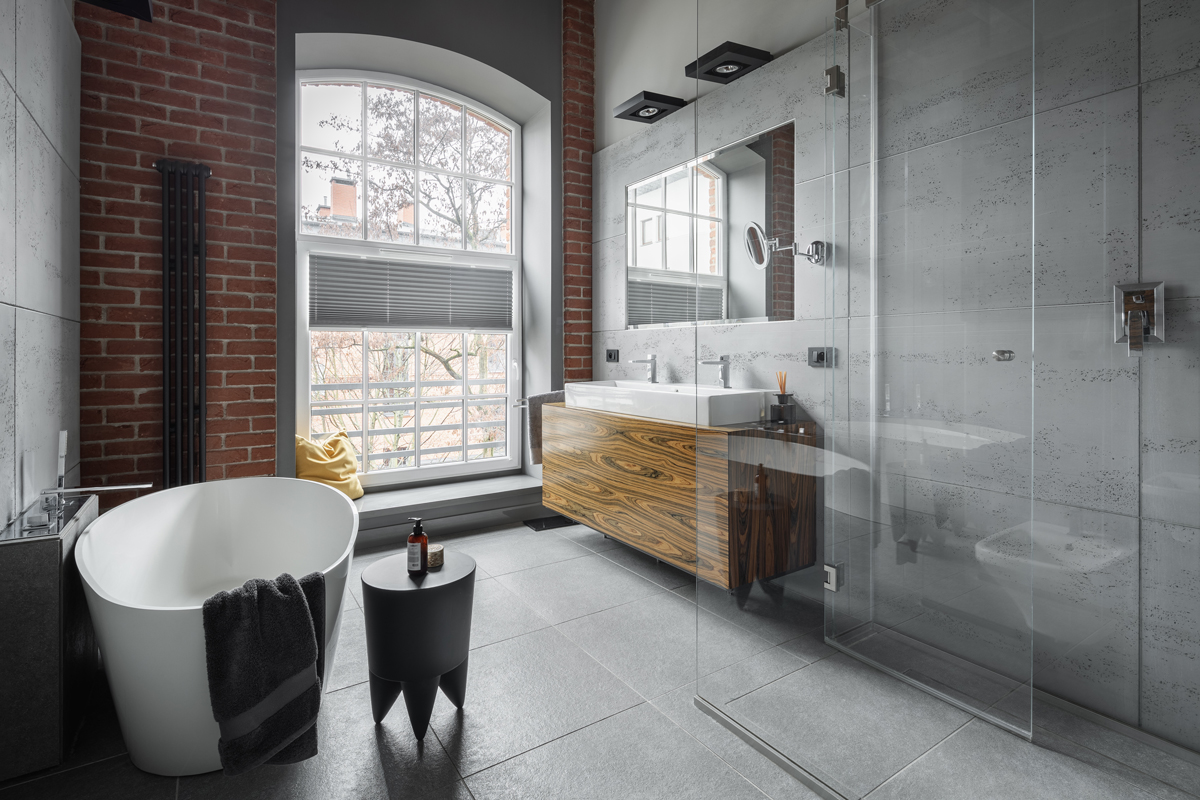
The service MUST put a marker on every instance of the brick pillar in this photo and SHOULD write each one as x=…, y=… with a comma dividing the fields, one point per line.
x=198, y=85
x=783, y=221
x=579, y=49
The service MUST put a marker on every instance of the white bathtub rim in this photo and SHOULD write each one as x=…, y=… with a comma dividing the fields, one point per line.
x=83, y=546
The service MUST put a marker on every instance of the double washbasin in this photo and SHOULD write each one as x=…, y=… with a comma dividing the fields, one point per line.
x=685, y=403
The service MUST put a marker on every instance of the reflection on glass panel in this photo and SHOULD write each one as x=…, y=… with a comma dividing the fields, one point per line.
x=331, y=116
x=441, y=431
x=489, y=208
x=708, y=191
x=390, y=123
x=325, y=420
x=392, y=435
x=649, y=193
x=390, y=204
x=441, y=364
x=708, y=247
x=678, y=198
x=391, y=364
x=335, y=365
x=330, y=195
x=487, y=363
x=679, y=246
x=488, y=148
x=441, y=210
x=486, y=424
x=647, y=239
x=441, y=133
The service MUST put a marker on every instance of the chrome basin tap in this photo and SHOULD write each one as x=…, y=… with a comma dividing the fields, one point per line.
x=722, y=364
x=652, y=360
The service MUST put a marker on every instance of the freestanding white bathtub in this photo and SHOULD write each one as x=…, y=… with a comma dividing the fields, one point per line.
x=149, y=565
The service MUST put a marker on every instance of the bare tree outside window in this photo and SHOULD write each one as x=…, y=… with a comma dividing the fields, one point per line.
x=421, y=150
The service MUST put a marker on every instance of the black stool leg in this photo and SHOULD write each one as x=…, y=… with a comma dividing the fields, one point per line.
x=383, y=696
x=454, y=684
x=419, y=697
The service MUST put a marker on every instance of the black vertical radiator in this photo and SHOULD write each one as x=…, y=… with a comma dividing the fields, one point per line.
x=183, y=320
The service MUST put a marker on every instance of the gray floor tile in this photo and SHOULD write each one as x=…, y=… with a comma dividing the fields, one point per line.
x=742, y=678
x=522, y=693
x=983, y=762
x=846, y=722
x=357, y=759
x=636, y=754
x=574, y=588
x=649, y=567
x=499, y=614
x=112, y=779
x=811, y=646
x=769, y=609
x=651, y=643
x=1141, y=780
x=757, y=768
x=350, y=660
x=1117, y=747
x=587, y=537
x=499, y=555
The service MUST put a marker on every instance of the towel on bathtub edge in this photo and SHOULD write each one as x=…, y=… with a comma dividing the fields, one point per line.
x=265, y=650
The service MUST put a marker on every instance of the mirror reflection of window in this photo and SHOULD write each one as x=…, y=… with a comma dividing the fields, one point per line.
x=687, y=259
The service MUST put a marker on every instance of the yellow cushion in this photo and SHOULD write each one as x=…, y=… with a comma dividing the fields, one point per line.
x=330, y=462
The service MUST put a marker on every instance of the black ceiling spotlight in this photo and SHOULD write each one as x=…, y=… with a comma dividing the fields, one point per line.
x=138, y=9
x=648, y=107
x=727, y=63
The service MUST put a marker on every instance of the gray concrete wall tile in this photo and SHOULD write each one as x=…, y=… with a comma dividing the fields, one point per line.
x=47, y=73
x=1170, y=468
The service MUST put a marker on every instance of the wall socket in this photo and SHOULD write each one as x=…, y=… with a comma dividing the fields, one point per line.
x=822, y=357
x=612, y=356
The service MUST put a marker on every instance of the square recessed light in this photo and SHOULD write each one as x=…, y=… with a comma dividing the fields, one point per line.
x=648, y=107
x=727, y=63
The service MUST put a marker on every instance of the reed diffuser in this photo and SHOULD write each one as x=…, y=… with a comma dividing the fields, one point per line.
x=783, y=411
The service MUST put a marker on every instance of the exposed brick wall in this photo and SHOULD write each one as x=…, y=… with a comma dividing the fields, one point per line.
x=197, y=84
x=579, y=139
x=782, y=194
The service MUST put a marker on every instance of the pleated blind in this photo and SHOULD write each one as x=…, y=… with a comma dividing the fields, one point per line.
x=652, y=303
x=367, y=293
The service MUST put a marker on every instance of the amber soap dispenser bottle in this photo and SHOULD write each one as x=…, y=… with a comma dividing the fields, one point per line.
x=418, y=549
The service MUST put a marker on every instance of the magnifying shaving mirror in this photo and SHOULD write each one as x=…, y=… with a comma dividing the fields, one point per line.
x=759, y=248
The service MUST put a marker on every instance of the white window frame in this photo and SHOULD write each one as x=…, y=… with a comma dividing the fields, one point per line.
x=662, y=274
x=309, y=244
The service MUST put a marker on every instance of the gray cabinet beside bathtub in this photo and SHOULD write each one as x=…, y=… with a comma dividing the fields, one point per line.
x=47, y=647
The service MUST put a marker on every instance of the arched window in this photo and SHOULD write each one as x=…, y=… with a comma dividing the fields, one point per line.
x=408, y=221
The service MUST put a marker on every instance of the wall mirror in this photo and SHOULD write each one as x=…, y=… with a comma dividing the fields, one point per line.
x=688, y=258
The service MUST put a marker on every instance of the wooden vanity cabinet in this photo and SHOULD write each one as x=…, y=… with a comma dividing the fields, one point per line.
x=731, y=504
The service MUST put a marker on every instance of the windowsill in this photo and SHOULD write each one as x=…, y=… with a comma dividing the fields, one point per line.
x=380, y=512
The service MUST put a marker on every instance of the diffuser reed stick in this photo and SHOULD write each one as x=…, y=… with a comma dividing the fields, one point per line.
x=781, y=378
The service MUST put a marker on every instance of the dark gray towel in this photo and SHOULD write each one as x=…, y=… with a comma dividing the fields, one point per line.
x=535, y=421
x=265, y=648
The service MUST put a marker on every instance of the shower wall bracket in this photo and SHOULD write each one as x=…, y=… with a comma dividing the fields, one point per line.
x=1138, y=315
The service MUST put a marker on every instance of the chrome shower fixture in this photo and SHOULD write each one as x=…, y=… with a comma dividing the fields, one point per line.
x=1138, y=315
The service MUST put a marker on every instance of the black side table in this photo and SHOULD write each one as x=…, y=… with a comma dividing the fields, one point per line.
x=418, y=634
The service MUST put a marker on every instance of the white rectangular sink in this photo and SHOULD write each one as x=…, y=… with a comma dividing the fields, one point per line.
x=672, y=402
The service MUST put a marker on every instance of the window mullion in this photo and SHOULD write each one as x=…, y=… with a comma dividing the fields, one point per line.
x=418, y=338
x=366, y=418
x=366, y=180
x=466, y=368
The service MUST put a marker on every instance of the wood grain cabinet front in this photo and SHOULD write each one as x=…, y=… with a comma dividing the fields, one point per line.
x=731, y=504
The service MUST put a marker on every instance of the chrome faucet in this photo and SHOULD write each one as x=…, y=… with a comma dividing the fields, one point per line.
x=652, y=360
x=52, y=499
x=722, y=364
